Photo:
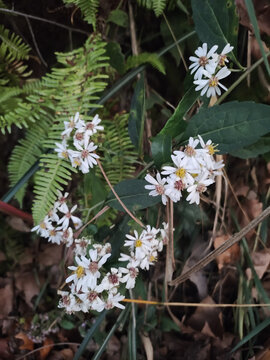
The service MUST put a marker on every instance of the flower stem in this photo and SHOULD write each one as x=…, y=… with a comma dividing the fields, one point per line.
x=117, y=197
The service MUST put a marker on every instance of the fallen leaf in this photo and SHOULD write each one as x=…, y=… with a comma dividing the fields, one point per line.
x=263, y=355
x=4, y=349
x=211, y=316
x=18, y=224
x=148, y=347
x=6, y=297
x=229, y=256
x=27, y=343
x=261, y=261
x=45, y=349
x=50, y=255
x=26, y=283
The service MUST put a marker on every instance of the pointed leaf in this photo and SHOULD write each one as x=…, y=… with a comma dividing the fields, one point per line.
x=161, y=148
x=216, y=23
x=176, y=123
x=233, y=125
x=133, y=194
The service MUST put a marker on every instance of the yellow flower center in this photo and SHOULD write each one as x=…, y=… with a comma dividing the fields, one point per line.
x=211, y=149
x=180, y=173
x=64, y=154
x=43, y=225
x=213, y=81
x=79, y=272
x=152, y=258
x=138, y=243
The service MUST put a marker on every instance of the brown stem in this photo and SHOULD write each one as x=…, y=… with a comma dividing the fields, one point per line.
x=225, y=246
x=117, y=197
x=11, y=210
x=101, y=212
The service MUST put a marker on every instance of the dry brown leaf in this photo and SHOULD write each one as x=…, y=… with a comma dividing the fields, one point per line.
x=18, y=224
x=229, y=256
x=261, y=261
x=26, y=282
x=51, y=255
x=211, y=316
x=6, y=297
x=44, y=351
x=4, y=349
x=27, y=343
x=64, y=354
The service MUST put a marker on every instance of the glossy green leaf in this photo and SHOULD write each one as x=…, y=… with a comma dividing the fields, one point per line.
x=262, y=146
x=116, y=57
x=133, y=194
x=216, y=23
x=233, y=125
x=118, y=17
x=161, y=148
x=136, y=115
x=176, y=123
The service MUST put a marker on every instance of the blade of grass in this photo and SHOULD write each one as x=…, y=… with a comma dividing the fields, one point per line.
x=89, y=335
x=253, y=333
x=252, y=17
x=107, y=95
x=115, y=326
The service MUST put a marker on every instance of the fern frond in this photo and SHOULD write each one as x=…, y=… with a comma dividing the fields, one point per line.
x=144, y=58
x=148, y=4
x=54, y=173
x=88, y=8
x=14, y=43
x=27, y=152
x=119, y=152
x=159, y=6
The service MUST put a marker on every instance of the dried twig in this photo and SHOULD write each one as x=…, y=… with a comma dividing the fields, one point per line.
x=220, y=250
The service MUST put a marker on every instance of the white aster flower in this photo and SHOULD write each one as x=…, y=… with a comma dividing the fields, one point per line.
x=92, y=267
x=93, y=126
x=191, y=156
x=113, y=301
x=198, y=188
x=86, y=155
x=62, y=150
x=157, y=187
x=211, y=85
x=148, y=260
x=60, y=203
x=182, y=172
x=78, y=276
x=67, y=236
x=81, y=246
x=139, y=244
x=44, y=227
x=55, y=236
x=92, y=300
x=111, y=281
x=70, y=125
x=203, y=61
x=129, y=274
x=67, y=217
x=222, y=58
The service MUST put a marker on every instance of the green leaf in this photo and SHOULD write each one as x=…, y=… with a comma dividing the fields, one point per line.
x=161, y=149
x=252, y=16
x=233, y=125
x=145, y=58
x=216, y=23
x=117, y=59
x=136, y=115
x=67, y=324
x=133, y=194
x=260, y=147
x=167, y=324
x=118, y=17
x=176, y=123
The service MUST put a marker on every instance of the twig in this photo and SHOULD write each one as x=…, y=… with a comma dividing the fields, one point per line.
x=101, y=212
x=11, y=210
x=47, y=346
x=180, y=304
x=13, y=12
x=225, y=246
x=35, y=43
x=117, y=197
x=134, y=44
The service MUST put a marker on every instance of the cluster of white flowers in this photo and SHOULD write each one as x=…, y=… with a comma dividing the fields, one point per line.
x=209, y=68
x=194, y=169
x=81, y=150
x=92, y=287
x=56, y=226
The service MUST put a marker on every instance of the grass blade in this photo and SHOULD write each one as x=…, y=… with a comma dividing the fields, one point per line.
x=89, y=335
x=115, y=326
x=252, y=17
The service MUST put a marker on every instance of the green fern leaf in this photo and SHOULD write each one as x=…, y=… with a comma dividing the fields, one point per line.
x=159, y=6
x=14, y=43
x=145, y=58
x=54, y=173
x=88, y=8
